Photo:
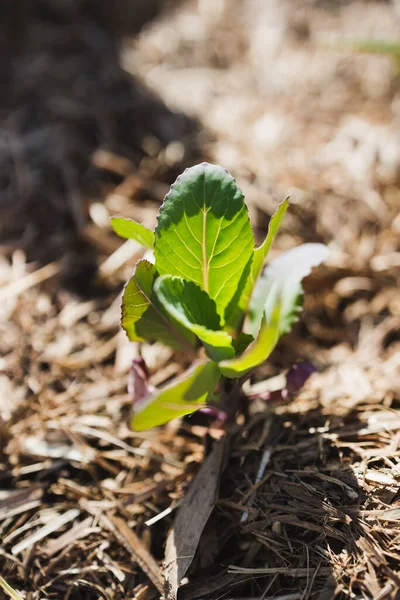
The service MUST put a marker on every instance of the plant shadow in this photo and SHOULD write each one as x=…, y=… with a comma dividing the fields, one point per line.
x=66, y=96
x=287, y=519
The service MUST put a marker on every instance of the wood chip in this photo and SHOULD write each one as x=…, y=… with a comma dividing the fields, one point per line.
x=15, y=288
x=55, y=524
x=133, y=544
x=191, y=519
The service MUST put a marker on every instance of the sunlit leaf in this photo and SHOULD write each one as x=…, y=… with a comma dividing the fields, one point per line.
x=281, y=283
x=143, y=318
x=204, y=234
x=131, y=230
x=260, y=253
x=257, y=352
x=374, y=46
x=275, y=305
x=184, y=395
x=233, y=313
x=191, y=306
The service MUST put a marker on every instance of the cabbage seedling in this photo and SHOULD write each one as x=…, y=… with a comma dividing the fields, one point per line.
x=207, y=286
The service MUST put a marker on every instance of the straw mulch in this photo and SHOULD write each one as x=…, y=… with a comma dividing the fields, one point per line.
x=302, y=499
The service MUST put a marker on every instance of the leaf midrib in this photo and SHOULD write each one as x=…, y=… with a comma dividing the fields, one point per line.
x=205, y=262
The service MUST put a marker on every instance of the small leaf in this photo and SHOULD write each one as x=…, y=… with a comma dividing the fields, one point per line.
x=281, y=283
x=275, y=306
x=241, y=342
x=192, y=307
x=256, y=353
x=203, y=232
x=297, y=376
x=142, y=316
x=184, y=395
x=260, y=253
x=131, y=230
x=374, y=46
x=233, y=312
x=138, y=380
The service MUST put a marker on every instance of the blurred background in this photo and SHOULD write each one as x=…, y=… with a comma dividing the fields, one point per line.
x=103, y=103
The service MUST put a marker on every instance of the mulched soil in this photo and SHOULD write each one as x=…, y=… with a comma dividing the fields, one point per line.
x=307, y=500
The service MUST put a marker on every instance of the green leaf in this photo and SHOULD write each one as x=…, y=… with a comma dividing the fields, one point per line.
x=260, y=253
x=379, y=47
x=281, y=283
x=374, y=46
x=233, y=312
x=275, y=305
x=184, y=395
x=142, y=316
x=241, y=342
x=257, y=352
x=203, y=232
x=192, y=307
x=131, y=230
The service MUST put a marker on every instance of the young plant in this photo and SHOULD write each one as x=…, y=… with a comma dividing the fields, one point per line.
x=206, y=286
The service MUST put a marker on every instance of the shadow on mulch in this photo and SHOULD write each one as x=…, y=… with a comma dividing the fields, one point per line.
x=64, y=97
x=287, y=515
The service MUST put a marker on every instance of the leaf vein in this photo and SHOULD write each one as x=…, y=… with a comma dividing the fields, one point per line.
x=187, y=247
x=232, y=241
x=179, y=256
x=190, y=229
x=224, y=284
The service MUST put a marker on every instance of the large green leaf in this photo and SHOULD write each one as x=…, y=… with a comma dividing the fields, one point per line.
x=182, y=396
x=193, y=308
x=204, y=234
x=131, y=230
x=275, y=305
x=142, y=316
